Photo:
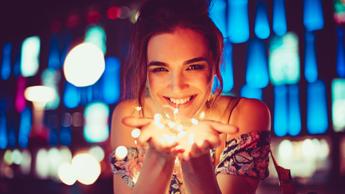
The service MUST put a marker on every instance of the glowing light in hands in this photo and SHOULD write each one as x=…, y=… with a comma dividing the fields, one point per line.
x=165, y=123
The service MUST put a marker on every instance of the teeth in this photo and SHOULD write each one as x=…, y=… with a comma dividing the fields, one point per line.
x=179, y=101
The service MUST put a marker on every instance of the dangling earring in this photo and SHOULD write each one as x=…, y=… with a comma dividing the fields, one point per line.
x=209, y=101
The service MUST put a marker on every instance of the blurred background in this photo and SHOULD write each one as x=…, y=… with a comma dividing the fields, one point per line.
x=60, y=64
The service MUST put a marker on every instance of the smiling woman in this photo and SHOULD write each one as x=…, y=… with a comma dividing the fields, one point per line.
x=179, y=70
x=189, y=140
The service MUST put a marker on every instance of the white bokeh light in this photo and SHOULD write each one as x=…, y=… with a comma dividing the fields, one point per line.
x=86, y=167
x=84, y=65
x=40, y=94
x=97, y=152
x=66, y=173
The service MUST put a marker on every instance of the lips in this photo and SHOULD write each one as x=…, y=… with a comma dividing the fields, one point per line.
x=180, y=101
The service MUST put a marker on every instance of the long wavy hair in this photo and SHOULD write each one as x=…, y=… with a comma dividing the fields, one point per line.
x=163, y=16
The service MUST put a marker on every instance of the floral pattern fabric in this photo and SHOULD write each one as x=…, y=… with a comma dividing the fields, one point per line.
x=246, y=155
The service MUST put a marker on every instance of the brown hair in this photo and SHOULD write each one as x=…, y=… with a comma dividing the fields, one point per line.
x=162, y=16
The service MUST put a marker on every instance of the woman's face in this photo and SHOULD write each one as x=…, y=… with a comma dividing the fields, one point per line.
x=179, y=70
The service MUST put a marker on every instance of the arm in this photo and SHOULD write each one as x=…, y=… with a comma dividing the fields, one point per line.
x=157, y=168
x=249, y=115
x=198, y=173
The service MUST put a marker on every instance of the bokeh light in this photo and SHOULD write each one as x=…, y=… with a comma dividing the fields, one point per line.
x=86, y=167
x=84, y=65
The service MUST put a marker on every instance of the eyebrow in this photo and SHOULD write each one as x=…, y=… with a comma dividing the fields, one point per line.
x=193, y=60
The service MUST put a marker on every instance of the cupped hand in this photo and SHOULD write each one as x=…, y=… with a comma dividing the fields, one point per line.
x=199, y=138
x=156, y=135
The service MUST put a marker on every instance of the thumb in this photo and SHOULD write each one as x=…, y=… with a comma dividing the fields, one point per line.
x=136, y=122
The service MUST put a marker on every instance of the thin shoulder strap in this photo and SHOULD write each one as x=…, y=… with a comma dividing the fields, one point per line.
x=284, y=176
x=232, y=105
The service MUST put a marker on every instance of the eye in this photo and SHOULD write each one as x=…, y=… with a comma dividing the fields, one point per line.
x=158, y=69
x=196, y=67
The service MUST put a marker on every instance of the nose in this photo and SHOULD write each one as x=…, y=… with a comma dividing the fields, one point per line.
x=178, y=82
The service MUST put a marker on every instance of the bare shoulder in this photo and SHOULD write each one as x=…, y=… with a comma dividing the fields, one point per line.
x=120, y=134
x=124, y=107
x=251, y=115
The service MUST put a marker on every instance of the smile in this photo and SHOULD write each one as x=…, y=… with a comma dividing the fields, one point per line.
x=180, y=101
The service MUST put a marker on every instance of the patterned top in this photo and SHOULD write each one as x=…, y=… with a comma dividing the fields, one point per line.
x=246, y=155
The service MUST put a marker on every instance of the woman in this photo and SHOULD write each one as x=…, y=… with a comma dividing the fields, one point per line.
x=222, y=142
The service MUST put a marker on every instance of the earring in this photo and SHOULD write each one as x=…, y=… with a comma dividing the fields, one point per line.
x=209, y=101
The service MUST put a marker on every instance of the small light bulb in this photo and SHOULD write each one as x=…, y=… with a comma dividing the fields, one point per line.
x=157, y=120
x=190, y=140
x=171, y=124
x=179, y=128
x=202, y=115
x=121, y=152
x=194, y=121
x=169, y=139
x=176, y=111
x=135, y=133
x=157, y=117
x=138, y=108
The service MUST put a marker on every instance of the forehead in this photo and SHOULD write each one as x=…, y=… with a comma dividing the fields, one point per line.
x=177, y=46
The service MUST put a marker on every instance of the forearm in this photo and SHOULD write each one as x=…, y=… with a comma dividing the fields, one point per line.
x=198, y=175
x=155, y=174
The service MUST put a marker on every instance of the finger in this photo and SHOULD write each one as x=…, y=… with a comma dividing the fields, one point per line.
x=177, y=150
x=162, y=147
x=195, y=150
x=144, y=136
x=213, y=141
x=222, y=128
x=206, y=145
x=136, y=122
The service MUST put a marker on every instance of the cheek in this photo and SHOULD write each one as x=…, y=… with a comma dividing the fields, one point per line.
x=155, y=82
x=201, y=80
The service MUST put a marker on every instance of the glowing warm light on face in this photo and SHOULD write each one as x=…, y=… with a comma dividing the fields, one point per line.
x=86, y=167
x=97, y=152
x=121, y=152
x=84, y=65
x=39, y=94
x=66, y=174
